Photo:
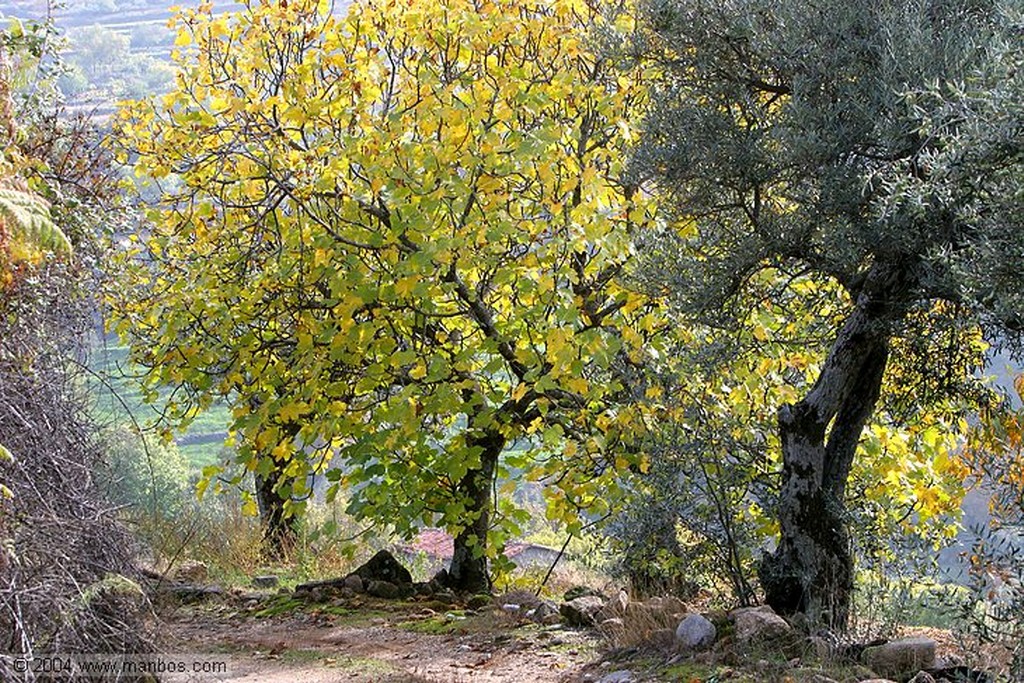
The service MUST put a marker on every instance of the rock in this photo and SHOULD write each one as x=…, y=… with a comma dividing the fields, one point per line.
x=580, y=592
x=382, y=589
x=391, y=578
x=189, y=593
x=760, y=626
x=615, y=608
x=546, y=613
x=331, y=587
x=256, y=596
x=266, y=581
x=581, y=611
x=445, y=596
x=877, y=680
x=440, y=581
x=623, y=676
x=383, y=567
x=900, y=658
x=479, y=601
x=922, y=677
x=695, y=633
x=191, y=571
x=423, y=588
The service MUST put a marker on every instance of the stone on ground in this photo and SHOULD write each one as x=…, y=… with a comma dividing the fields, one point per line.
x=760, y=626
x=384, y=567
x=545, y=613
x=579, y=592
x=582, y=611
x=900, y=658
x=265, y=581
x=191, y=571
x=695, y=633
x=382, y=589
x=479, y=601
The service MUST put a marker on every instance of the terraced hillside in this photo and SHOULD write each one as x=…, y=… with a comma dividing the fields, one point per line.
x=117, y=49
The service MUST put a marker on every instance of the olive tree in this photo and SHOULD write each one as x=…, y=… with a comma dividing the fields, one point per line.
x=875, y=147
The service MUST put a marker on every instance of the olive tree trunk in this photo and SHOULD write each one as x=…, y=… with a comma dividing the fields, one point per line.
x=468, y=571
x=811, y=570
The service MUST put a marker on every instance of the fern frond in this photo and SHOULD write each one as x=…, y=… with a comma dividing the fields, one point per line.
x=28, y=218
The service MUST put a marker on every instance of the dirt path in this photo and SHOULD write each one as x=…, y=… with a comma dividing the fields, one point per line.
x=375, y=642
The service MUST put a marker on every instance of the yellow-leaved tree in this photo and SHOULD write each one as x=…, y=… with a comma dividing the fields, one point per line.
x=394, y=243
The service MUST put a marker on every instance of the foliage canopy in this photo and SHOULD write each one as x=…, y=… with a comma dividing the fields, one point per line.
x=395, y=240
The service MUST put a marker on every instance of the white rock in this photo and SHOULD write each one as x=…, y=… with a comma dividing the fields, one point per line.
x=695, y=632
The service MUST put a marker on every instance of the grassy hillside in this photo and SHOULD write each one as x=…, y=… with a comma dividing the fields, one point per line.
x=117, y=397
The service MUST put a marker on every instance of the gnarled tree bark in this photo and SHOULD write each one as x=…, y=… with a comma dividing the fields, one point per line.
x=811, y=571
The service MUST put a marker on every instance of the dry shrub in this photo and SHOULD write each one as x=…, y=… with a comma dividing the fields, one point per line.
x=651, y=623
x=66, y=563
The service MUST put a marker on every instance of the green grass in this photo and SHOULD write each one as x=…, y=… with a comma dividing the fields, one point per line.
x=363, y=666
x=117, y=397
x=201, y=455
x=277, y=606
x=441, y=624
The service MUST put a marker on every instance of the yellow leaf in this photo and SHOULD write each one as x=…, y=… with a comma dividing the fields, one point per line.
x=292, y=411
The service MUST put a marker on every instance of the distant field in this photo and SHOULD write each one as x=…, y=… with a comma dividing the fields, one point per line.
x=105, y=12
x=117, y=397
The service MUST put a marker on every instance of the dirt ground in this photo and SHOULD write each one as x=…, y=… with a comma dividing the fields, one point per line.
x=379, y=642
x=280, y=639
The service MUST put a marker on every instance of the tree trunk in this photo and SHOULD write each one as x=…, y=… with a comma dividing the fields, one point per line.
x=468, y=571
x=278, y=529
x=811, y=571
